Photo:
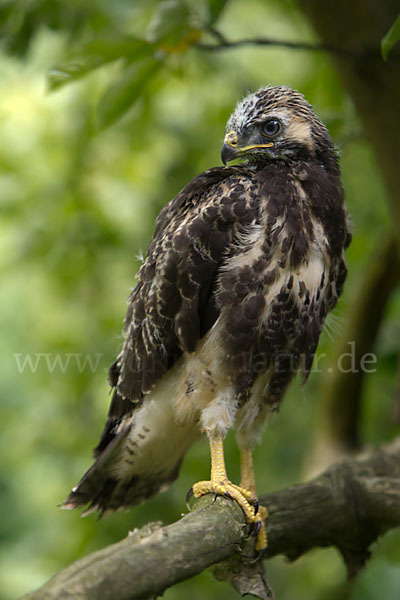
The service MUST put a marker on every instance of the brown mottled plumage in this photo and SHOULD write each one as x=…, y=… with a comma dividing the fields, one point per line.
x=243, y=267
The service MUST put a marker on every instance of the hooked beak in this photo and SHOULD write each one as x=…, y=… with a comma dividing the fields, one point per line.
x=231, y=150
x=228, y=153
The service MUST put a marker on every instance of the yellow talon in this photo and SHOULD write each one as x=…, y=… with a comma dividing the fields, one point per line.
x=220, y=484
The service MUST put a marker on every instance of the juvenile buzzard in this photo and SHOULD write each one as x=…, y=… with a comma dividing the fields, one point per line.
x=242, y=269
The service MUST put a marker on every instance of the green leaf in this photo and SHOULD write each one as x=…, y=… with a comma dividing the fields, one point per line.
x=95, y=54
x=122, y=94
x=391, y=38
x=114, y=47
x=169, y=23
x=215, y=8
x=71, y=71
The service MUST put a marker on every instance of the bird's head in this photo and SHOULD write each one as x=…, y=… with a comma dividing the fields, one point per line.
x=276, y=123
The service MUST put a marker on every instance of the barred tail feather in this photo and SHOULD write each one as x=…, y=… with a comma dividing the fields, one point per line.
x=142, y=457
x=104, y=491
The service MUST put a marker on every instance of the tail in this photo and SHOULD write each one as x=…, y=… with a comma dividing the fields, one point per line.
x=103, y=489
x=140, y=460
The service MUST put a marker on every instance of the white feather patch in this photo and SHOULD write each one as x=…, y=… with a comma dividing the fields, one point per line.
x=219, y=416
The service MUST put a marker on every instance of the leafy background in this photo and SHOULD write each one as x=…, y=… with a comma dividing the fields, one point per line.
x=83, y=172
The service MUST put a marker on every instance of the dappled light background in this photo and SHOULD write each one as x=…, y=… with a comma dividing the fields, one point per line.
x=78, y=204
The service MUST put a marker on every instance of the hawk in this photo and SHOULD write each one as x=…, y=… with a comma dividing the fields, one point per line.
x=244, y=265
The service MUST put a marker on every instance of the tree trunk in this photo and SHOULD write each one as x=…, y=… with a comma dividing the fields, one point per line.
x=374, y=85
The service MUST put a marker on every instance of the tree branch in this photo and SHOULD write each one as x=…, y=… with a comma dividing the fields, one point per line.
x=222, y=43
x=348, y=506
x=374, y=85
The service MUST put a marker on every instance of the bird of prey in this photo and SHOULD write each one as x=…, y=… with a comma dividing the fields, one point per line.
x=244, y=265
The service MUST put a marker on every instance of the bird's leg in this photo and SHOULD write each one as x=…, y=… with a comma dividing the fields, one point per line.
x=247, y=481
x=220, y=484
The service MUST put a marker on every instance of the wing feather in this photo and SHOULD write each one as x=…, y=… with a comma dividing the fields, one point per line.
x=173, y=304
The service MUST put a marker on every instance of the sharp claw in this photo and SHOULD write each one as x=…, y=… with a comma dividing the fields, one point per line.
x=254, y=528
x=227, y=495
x=255, y=505
x=188, y=496
x=258, y=556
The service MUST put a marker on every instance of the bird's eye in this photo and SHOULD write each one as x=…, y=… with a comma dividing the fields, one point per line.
x=271, y=127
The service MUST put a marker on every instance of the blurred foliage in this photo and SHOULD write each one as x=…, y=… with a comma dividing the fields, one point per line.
x=391, y=38
x=78, y=199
